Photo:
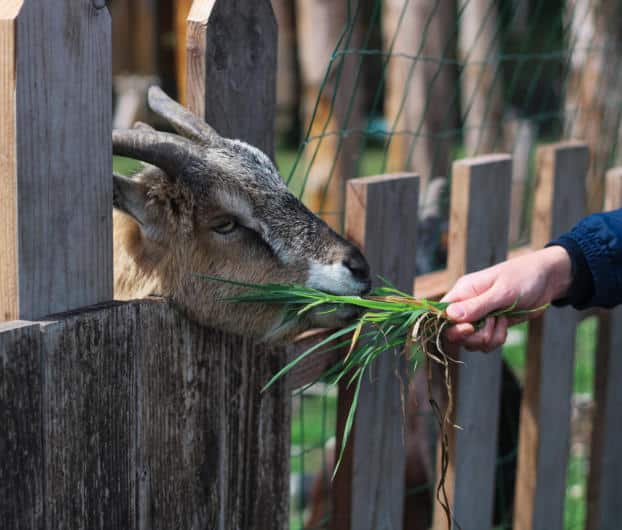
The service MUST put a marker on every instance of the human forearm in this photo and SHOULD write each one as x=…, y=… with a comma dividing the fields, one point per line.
x=595, y=248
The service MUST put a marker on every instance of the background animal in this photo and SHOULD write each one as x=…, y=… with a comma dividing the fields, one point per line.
x=205, y=205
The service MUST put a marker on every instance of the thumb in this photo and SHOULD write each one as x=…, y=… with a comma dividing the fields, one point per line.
x=473, y=309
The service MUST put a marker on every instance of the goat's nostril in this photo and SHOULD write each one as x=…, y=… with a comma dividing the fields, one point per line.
x=357, y=265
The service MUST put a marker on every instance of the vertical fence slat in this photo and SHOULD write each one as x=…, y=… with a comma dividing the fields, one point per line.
x=604, y=510
x=239, y=76
x=181, y=10
x=545, y=411
x=478, y=235
x=381, y=217
x=196, y=85
x=21, y=449
x=55, y=168
x=89, y=419
x=211, y=450
x=231, y=83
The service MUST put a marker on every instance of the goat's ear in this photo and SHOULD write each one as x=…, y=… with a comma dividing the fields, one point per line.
x=130, y=197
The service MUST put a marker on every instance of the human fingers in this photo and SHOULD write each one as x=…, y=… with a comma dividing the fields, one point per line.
x=477, y=307
x=491, y=337
x=480, y=339
x=470, y=285
x=499, y=335
x=459, y=332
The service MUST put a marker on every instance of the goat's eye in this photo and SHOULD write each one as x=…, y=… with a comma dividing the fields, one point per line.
x=225, y=226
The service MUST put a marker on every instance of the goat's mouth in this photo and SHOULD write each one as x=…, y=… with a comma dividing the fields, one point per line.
x=362, y=291
x=337, y=279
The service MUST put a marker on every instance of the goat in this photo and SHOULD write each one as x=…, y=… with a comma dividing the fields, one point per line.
x=209, y=205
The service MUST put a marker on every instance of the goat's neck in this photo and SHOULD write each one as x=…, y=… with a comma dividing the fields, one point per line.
x=135, y=262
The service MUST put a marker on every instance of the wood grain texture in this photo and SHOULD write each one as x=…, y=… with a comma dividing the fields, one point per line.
x=381, y=217
x=21, y=449
x=478, y=238
x=196, y=82
x=181, y=10
x=134, y=417
x=240, y=72
x=57, y=158
x=245, y=474
x=89, y=411
x=545, y=411
x=8, y=162
x=604, y=510
x=213, y=449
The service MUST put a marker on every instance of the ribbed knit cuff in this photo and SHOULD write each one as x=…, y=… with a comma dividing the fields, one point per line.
x=581, y=289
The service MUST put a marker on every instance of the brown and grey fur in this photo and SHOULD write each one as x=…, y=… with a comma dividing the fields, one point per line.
x=169, y=218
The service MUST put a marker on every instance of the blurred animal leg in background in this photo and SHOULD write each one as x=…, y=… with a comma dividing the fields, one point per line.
x=432, y=227
x=134, y=58
x=131, y=99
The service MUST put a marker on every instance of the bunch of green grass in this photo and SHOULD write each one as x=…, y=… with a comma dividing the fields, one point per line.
x=390, y=320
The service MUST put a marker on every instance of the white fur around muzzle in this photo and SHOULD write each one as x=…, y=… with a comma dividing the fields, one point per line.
x=335, y=278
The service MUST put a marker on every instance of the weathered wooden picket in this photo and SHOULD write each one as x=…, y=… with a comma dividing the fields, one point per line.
x=121, y=415
x=129, y=416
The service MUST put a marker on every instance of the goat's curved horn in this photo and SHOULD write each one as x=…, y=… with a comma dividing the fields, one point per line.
x=184, y=122
x=169, y=152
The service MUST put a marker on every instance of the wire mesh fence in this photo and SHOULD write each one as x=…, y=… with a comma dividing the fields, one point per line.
x=411, y=85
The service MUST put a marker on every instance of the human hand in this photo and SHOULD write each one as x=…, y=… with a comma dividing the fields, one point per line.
x=531, y=281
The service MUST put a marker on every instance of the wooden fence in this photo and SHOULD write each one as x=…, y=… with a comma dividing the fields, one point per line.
x=129, y=416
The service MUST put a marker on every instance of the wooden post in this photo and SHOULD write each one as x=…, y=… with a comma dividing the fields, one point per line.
x=287, y=82
x=121, y=24
x=604, y=511
x=478, y=238
x=181, y=11
x=369, y=489
x=482, y=97
x=593, y=96
x=144, y=37
x=213, y=450
x=131, y=416
x=419, y=92
x=21, y=443
x=231, y=83
x=56, y=163
x=238, y=76
x=196, y=85
x=89, y=411
x=135, y=65
x=520, y=136
x=545, y=411
x=134, y=37
x=331, y=101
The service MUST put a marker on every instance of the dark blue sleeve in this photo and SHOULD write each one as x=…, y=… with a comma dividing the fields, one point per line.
x=595, y=249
